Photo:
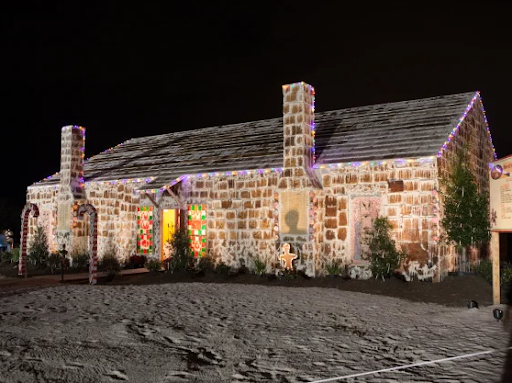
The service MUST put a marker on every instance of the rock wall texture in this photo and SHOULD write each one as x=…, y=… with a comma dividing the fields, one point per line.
x=321, y=213
x=472, y=135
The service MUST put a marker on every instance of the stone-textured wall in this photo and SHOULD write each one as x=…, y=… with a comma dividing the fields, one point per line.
x=353, y=195
x=240, y=214
x=472, y=134
x=116, y=205
x=46, y=200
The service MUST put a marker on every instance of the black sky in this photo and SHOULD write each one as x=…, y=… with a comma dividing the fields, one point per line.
x=128, y=71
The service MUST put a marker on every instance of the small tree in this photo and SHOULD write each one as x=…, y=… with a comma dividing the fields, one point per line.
x=466, y=209
x=381, y=249
x=181, y=257
x=39, y=250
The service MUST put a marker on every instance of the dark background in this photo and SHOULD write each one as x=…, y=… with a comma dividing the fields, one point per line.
x=128, y=71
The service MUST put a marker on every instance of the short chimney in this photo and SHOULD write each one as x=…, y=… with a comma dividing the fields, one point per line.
x=299, y=133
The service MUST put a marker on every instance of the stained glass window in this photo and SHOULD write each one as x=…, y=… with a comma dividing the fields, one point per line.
x=197, y=229
x=145, y=229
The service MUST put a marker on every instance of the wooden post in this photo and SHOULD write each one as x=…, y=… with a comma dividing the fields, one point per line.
x=495, y=254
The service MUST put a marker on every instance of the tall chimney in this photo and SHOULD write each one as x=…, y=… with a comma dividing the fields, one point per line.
x=299, y=130
x=72, y=154
x=71, y=186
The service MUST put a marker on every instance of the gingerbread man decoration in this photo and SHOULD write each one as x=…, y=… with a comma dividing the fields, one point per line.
x=287, y=258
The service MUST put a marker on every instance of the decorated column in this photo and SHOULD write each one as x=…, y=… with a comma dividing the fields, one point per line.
x=298, y=182
x=25, y=215
x=71, y=186
x=93, y=240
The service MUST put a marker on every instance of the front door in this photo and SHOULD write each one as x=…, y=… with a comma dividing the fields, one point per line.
x=170, y=223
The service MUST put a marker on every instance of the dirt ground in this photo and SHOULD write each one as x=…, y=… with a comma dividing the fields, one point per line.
x=454, y=291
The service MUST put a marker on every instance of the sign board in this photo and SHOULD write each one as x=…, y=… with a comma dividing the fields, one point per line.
x=501, y=194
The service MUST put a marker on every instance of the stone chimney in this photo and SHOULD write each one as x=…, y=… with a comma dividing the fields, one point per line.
x=71, y=186
x=72, y=153
x=299, y=130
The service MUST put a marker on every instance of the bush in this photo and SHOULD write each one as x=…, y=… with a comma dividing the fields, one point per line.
x=260, y=266
x=53, y=261
x=381, y=249
x=204, y=263
x=137, y=261
x=110, y=264
x=181, y=258
x=39, y=250
x=80, y=261
x=5, y=256
x=15, y=255
x=222, y=268
x=153, y=264
x=333, y=268
x=484, y=270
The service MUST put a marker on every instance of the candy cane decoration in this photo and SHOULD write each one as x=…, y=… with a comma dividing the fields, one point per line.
x=93, y=240
x=25, y=214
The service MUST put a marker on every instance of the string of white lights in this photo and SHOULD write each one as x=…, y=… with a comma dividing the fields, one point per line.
x=396, y=368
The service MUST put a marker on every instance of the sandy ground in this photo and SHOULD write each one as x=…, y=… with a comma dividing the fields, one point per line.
x=238, y=333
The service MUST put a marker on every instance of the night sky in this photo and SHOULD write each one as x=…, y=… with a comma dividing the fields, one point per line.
x=129, y=71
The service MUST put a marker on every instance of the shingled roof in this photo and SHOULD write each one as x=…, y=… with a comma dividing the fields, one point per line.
x=408, y=129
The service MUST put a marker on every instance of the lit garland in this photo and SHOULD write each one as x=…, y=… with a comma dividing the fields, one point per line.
x=399, y=161
x=312, y=127
x=459, y=123
x=112, y=182
x=214, y=174
x=82, y=130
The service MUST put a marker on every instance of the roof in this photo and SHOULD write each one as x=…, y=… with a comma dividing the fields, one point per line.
x=408, y=129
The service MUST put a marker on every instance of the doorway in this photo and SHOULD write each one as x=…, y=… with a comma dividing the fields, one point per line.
x=170, y=223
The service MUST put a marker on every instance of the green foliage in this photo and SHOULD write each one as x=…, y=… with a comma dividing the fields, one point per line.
x=381, y=249
x=153, y=264
x=80, y=260
x=484, y=269
x=39, y=250
x=15, y=254
x=53, y=261
x=260, y=265
x=222, y=268
x=466, y=210
x=181, y=258
x=110, y=262
x=5, y=256
x=204, y=263
x=333, y=268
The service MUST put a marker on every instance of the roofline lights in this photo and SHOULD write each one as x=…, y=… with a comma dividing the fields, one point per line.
x=374, y=163
x=211, y=174
x=459, y=123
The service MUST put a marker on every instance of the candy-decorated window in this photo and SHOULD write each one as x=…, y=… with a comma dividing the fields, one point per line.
x=197, y=229
x=145, y=229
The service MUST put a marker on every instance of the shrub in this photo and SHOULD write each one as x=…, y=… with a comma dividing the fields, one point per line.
x=15, y=254
x=484, y=270
x=181, y=258
x=153, y=264
x=333, y=268
x=260, y=265
x=80, y=261
x=39, y=250
x=204, y=263
x=53, y=261
x=222, y=268
x=5, y=256
x=137, y=261
x=381, y=249
x=110, y=264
